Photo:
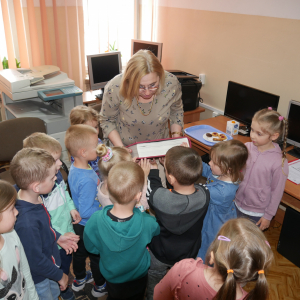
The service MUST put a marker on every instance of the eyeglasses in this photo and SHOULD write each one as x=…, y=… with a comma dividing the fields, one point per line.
x=150, y=88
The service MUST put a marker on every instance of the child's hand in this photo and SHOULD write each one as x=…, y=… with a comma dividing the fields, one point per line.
x=69, y=241
x=63, y=283
x=75, y=216
x=145, y=165
x=134, y=159
x=185, y=144
x=153, y=164
x=162, y=161
x=264, y=223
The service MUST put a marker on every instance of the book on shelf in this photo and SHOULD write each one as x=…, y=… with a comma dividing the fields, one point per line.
x=156, y=148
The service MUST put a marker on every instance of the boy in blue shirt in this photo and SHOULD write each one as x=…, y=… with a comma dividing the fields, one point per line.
x=120, y=233
x=81, y=142
x=34, y=172
x=58, y=202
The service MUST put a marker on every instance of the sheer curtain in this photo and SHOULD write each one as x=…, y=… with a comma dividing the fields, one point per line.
x=44, y=32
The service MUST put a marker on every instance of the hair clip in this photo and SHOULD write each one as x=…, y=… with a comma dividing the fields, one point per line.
x=229, y=271
x=281, y=118
x=268, y=244
x=260, y=272
x=270, y=108
x=108, y=155
x=223, y=238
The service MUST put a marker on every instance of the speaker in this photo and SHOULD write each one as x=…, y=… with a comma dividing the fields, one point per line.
x=289, y=240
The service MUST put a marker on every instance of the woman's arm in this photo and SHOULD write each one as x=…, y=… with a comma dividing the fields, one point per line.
x=115, y=138
x=176, y=112
x=176, y=130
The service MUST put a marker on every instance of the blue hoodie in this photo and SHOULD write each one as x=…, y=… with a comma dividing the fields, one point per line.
x=34, y=228
x=122, y=246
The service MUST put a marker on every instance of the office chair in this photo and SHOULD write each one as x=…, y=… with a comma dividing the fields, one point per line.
x=12, y=134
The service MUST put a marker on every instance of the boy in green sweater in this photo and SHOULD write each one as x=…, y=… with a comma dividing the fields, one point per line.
x=120, y=233
x=58, y=202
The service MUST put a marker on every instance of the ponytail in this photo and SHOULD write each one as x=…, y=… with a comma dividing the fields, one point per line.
x=261, y=289
x=228, y=289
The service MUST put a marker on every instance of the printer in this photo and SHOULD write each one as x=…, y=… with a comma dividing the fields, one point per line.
x=21, y=91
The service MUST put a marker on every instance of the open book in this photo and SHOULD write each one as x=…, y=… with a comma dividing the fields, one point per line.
x=156, y=148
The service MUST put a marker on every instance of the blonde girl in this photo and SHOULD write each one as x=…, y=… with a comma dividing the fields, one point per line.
x=239, y=254
x=108, y=157
x=260, y=192
x=15, y=277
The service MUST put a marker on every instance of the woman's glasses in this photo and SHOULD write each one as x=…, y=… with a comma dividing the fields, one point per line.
x=150, y=88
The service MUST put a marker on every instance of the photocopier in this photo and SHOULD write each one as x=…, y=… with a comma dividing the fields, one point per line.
x=43, y=92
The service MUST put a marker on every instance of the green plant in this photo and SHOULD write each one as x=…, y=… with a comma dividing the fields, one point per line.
x=18, y=63
x=112, y=47
x=5, y=63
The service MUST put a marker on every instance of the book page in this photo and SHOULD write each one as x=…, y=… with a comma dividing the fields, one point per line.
x=158, y=148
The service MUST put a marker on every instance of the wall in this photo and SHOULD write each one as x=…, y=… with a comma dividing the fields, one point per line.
x=255, y=43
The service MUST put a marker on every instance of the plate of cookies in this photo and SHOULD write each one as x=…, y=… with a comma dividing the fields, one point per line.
x=215, y=137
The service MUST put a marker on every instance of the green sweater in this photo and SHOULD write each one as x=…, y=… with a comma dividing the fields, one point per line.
x=121, y=245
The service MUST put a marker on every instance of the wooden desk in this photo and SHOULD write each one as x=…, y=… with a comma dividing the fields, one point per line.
x=291, y=196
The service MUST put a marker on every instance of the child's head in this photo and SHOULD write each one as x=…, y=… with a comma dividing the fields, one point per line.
x=267, y=126
x=82, y=114
x=81, y=141
x=229, y=158
x=110, y=156
x=34, y=168
x=46, y=142
x=125, y=181
x=8, y=211
x=184, y=164
x=240, y=253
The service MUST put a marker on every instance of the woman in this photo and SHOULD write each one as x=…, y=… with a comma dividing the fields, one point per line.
x=138, y=103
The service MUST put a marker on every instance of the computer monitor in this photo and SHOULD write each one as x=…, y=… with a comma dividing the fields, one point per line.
x=103, y=67
x=156, y=48
x=293, y=117
x=242, y=102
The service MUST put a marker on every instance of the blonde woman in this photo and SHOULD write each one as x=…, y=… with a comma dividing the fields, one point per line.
x=138, y=103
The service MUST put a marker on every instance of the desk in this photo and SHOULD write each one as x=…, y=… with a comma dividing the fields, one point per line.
x=89, y=97
x=291, y=196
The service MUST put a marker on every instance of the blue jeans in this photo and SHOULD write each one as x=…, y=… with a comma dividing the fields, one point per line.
x=47, y=290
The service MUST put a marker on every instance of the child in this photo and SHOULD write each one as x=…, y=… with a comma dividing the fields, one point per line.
x=223, y=174
x=58, y=202
x=179, y=212
x=239, y=253
x=121, y=233
x=15, y=277
x=108, y=158
x=34, y=172
x=260, y=192
x=82, y=114
x=81, y=142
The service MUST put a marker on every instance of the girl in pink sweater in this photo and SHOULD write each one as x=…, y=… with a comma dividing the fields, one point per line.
x=239, y=253
x=260, y=192
x=109, y=156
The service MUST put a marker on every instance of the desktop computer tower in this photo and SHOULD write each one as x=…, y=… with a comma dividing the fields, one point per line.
x=190, y=87
x=289, y=240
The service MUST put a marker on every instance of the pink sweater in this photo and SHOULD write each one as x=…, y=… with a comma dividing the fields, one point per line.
x=186, y=281
x=264, y=181
x=104, y=199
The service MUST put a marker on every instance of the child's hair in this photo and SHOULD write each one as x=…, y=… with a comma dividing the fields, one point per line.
x=272, y=122
x=124, y=181
x=43, y=141
x=110, y=156
x=81, y=114
x=8, y=195
x=241, y=254
x=184, y=164
x=77, y=136
x=231, y=157
x=30, y=165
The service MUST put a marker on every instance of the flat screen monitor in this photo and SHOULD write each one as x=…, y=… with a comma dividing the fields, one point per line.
x=156, y=48
x=293, y=117
x=242, y=102
x=103, y=67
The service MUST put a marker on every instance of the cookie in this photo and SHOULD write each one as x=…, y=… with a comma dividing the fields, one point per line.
x=209, y=134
